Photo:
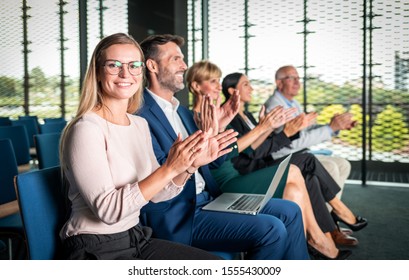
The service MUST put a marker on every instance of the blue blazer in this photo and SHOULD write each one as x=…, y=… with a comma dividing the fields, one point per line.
x=172, y=219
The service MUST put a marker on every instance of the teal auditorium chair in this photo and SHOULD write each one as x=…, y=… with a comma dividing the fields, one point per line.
x=18, y=136
x=3, y=246
x=228, y=255
x=5, y=121
x=42, y=208
x=8, y=169
x=47, y=146
x=10, y=224
x=51, y=120
x=52, y=127
x=31, y=126
x=29, y=117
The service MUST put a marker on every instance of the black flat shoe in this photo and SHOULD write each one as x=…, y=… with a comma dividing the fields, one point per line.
x=317, y=255
x=359, y=224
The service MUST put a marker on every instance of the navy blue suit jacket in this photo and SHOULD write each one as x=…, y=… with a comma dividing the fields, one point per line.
x=172, y=219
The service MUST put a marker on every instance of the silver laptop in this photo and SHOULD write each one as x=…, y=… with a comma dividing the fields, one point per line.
x=246, y=203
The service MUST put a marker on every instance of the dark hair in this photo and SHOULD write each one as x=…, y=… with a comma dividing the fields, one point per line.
x=230, y=81
x=150, y=45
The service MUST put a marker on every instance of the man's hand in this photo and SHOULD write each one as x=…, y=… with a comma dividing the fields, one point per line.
x=299, y=123
x=342, y=121
x=215, y=147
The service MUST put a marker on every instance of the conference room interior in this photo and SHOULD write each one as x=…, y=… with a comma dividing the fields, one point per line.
x=350, y=57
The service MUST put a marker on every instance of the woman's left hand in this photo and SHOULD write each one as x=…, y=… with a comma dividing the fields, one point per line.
x=228, y=110
x=184, y=152
x=207, y=119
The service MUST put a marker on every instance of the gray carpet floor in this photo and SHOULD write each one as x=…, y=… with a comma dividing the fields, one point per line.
x=387, y=209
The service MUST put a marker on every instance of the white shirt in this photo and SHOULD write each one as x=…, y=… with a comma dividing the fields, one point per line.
x=170, y=111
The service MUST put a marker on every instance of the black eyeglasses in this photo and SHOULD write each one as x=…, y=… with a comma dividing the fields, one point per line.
x=114, y=67
x=291, y=78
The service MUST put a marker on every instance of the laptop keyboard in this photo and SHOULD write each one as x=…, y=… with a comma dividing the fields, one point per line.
x=246, y=203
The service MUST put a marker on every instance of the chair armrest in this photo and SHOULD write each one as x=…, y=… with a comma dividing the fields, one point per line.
x=8, y=208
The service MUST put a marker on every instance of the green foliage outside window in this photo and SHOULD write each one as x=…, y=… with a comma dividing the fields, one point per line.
x=44, y=95
x=390, y=131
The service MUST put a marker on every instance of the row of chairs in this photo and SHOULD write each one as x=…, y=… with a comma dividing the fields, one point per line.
x=7, y=120
x=4, y=121
x=31, y=146
x=33, y=127
x=40, y=212
x=41, y=205
x=10, y=222
x=43, y=213
x=45, y=145
x=15, y=159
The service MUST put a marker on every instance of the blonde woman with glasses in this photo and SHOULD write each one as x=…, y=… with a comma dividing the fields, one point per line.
x=109, y=167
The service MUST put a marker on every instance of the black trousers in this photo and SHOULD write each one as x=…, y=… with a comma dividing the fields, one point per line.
x=132, y=244
x=320, y=185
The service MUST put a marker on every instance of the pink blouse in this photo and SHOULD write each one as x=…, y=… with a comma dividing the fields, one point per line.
x=104, y=163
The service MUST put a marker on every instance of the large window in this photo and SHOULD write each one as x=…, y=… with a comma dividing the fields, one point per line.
x=352, y=56
x=40, y=50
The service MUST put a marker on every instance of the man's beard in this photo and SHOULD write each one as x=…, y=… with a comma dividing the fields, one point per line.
x=168, y=81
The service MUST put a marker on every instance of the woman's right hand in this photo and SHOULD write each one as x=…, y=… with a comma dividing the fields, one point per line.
x=274, y=119
x=183, y=153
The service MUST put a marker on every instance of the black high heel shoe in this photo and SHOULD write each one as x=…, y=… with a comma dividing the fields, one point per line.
x=317, y=255
x=359, y=224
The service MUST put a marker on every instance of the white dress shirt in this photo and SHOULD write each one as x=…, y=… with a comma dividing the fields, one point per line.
x=170, y=111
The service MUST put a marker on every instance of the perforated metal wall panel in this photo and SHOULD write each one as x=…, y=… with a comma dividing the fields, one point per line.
x=351, y=56
x=40, y=52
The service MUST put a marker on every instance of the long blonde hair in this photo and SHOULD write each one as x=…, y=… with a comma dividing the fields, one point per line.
x=91, y=93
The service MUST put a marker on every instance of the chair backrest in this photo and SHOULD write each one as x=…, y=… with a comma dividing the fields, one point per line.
x=51, y=120
x=32, y=128
x=47, y=147
x=52, y=127
x=18, y=136
x=42, y=208
x=5, y=121
x=28, y=117
x=8, y=169
x=25, y=117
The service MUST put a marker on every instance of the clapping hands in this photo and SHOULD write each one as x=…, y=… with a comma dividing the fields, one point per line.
x=342, y=121
x=207, y=119
x=183, y=153
x=299, y=123
x=277, y=117
x=215, y=147
x=228, y=110
x=215, y=116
